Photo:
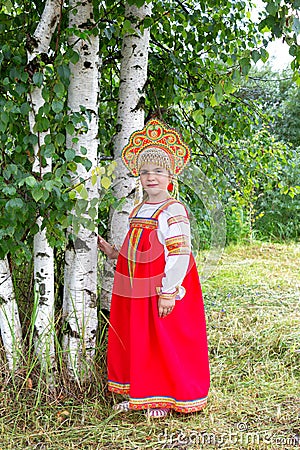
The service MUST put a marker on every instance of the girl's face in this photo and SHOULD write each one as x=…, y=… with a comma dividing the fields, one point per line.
x=155, y=181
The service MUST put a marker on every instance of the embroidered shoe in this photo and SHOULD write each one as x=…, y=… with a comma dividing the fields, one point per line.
x=157, y=413
x=123, y=406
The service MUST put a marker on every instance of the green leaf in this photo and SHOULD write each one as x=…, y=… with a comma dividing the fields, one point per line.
x=48, y=150
x=147, y=22
x=208, y=111
x=92, y=212
x=60, y=139
x=272, y=8
x=57, y=106
x=198, y=117
x=87, y=164
x=72, y=166
x=236, y=75
x=245, y=65
x=14, y=203
x=264, y=55
x=70, y=128
x=49, y=185
x=64, y=73
x=105, y=182
x=75, y=57
x=30, y=181
x=213, y=101
x=46, y=94
x=37, y=193
x=9, y=190
x=255, y=55
x=127, y=25
x=38, y=79
x=59, y=89
x=69, y=154
x=84, y=193
x=229, y=88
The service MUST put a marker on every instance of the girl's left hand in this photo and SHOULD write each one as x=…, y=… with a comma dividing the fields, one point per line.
x=166, y=306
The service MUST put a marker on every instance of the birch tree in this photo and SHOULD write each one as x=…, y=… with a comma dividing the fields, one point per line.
x=130, y=117
x=10, y=325
x=43, y=309
x=80, y=278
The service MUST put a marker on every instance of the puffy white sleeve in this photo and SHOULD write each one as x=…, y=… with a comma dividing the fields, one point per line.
x=174, y=234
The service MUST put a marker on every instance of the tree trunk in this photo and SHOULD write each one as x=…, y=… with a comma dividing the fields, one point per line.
x=130, y=118
x=9, y=319
x=80, y=278
x=43, y=313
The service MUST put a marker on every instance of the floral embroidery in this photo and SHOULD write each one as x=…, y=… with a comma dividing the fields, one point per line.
x=140, y=222
x=168, y=402
x=178, y=219
x=134, y=240
x=182, y=406
x=118, y=388
x=178, y=245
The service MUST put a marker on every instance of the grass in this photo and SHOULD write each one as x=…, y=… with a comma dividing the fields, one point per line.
x=253, y=319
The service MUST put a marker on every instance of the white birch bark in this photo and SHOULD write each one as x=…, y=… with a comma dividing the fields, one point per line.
x=80, y=277
x=133, y=77
x=10, y=326
x=43, y=311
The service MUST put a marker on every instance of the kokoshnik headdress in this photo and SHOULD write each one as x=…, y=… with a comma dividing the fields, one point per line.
x=159, y=144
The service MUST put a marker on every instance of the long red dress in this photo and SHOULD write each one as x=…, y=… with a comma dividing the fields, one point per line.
x=159, y=362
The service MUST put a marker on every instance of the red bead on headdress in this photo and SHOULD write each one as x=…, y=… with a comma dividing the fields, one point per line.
x=156, y=134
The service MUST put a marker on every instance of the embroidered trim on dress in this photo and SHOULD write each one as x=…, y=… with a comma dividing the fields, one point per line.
x=168, y=202
x=178, y=219
x=133, y=243
x=118, y=388
x=188, y=406
x=182, y=406
x=178, y=245
x=141, y=222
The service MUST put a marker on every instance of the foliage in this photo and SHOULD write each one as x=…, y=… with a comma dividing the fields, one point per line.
x=279, y=209
x=278, y=97
x=25, y=194
x=259, y=165
x=276, y=207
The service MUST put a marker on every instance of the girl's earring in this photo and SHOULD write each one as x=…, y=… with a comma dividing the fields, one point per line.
x=138, y=197
x=173, y=188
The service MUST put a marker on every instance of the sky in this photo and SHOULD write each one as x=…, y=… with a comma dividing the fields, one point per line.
x=279, y=54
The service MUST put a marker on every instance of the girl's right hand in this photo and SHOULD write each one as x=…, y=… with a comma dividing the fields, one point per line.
x=110, y=251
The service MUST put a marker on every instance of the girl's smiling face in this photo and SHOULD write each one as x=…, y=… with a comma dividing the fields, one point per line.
x=155, y=181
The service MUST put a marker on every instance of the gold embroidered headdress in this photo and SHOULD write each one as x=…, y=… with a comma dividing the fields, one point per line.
x=156, y=135
x=156, y=143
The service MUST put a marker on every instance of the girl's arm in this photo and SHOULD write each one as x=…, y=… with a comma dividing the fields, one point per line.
x=175, y=236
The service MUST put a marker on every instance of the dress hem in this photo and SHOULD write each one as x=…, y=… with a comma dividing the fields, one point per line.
x=137, y=404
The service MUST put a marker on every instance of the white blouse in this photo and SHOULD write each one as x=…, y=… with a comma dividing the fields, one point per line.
x=176, y=264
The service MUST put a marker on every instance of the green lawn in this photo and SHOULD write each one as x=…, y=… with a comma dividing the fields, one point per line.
x=253, y=318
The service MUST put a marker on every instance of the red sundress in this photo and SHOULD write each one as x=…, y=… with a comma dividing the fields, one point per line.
x=158, y=362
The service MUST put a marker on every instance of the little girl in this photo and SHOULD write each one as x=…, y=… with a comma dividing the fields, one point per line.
x=157, y=346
